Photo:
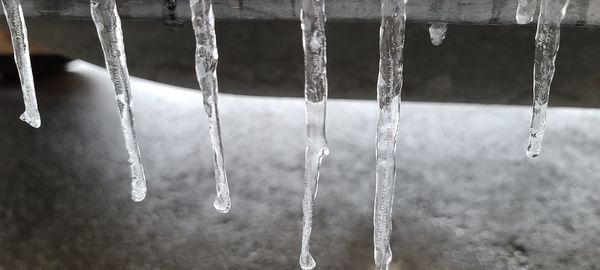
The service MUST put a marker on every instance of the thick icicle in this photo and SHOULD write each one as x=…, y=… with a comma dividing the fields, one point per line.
x=315, y=94
x=389, y=86
x=207, y=57
x=437, y=33
x=108, y=24
x=526, y=11
x=18, y=33
x=547, y=41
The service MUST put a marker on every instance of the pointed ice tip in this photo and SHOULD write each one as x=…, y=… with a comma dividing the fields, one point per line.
x=138, y=196
x=307, y=262
x=222, y=203
x=532, y=155
x=32, y=120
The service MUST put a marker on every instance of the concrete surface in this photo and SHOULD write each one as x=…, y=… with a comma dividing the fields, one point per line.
x=467, y=197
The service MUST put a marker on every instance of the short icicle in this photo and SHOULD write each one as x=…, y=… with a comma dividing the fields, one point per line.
x=389, y=86
x=108, y=24
x=526, y=11
x=315, y=93
x=18, y=32
x=207, y=57
x=547, y=40
x=437, y=33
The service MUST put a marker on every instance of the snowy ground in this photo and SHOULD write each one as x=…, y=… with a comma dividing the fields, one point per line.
x=467, y=197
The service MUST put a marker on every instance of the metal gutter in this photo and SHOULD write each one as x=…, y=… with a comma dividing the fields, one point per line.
x=581, y=12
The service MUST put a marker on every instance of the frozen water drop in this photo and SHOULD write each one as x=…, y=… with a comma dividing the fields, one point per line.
x=315, y=93
x=108, y=24
x=207, y=58
x=437, y=33
x=307, y=262
x=547, y=43
x=18, y=33
x=389, y=87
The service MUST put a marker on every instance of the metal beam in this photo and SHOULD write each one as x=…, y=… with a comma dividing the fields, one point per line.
x=581, y=12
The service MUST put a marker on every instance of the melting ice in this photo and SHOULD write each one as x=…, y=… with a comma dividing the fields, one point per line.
x=18, y=32
x=526, y=11
x=315, y=93
x=108, y=24
x=207, y=57
x=547, y=41
x=389, y=86
x=437, y=33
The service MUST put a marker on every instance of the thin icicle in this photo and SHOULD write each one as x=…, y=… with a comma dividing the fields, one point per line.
x=315, y=93
x=207, y=57
x=526, y=11
x=18, y=33
x=108, y=24
x=389, y=86
x=547, y=40
x=437, y=33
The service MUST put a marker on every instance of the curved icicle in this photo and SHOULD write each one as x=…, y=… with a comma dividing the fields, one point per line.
x=207, y=57
x=526, y=11
x=437, y=33
x=547, y=40
x=315, y=93
x=389, y=86
x=18, y=33
x=108, y=25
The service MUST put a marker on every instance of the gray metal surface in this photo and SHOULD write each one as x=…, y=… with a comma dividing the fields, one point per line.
x=581, y=12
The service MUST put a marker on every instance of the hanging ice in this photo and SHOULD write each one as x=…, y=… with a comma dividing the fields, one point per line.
x=547, y=41
x=389, y=86
x=526, y=11
x=315, y=94
x=207, y=56
x=18, y=33
x=437, y=33
x=108, y=24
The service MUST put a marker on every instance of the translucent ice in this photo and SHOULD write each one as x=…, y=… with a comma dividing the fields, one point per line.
x=207, y=58
x=437, y=33
x=108, y=24
x=315, y=93
x=18, y=33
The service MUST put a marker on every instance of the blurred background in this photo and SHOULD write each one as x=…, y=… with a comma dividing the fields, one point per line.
x=467, y=197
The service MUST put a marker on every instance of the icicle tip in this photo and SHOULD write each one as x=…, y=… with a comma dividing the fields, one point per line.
x=307, y=262
x=32, y=120
x=222, y=203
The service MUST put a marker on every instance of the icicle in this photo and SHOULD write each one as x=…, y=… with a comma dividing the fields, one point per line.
x=315, y=93
x=437, y=33
x=389, y=86
x=207, y=56
x=18, y=33
x=108, y=24
x=547, y=41
x=526, y=11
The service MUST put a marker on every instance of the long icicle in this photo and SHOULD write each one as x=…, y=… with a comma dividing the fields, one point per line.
x=108, y=25
x=526, y=11
x=207, y=58
x=547, y=40
x=315, y=93
x=389, y=86
x=18, y=32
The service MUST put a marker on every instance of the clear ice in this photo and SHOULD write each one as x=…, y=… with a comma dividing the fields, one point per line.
x=207, y=58
x=18, y=32
x=315, y=93
x=526, y=11
x=547, y=41
x=108, y=24
x=437, y=33
x=389, y=86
